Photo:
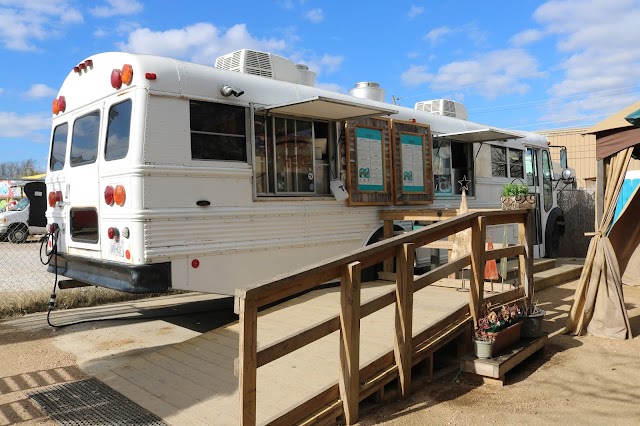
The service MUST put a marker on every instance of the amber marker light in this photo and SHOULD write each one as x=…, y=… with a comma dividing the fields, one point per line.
x=119, y=195
x=127, y=74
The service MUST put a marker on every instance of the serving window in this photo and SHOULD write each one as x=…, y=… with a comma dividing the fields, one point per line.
x=292, y=156
x=452, y=162
x=218, y=131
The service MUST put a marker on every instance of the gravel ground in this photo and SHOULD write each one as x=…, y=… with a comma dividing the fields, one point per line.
x=21, y=269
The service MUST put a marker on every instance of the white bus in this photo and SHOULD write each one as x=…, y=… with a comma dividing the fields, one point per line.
x=167, y=174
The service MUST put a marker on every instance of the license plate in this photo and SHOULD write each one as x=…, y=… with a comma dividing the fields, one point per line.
x=116, y=249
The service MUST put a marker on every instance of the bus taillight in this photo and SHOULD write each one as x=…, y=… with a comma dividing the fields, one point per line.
x=116, y=78
x=119, y=195
x=113, y=233
x=54, y=198
x=108, y=195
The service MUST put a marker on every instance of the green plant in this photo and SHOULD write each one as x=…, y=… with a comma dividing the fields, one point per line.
x=514, y=189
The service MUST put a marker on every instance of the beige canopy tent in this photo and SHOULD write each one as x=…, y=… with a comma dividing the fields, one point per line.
x=613, y=258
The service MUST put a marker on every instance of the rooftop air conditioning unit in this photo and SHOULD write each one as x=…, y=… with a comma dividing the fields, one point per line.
x=266, y=65
x=443, y=107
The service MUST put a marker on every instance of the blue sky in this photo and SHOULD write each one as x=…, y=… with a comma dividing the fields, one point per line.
x=528, y=65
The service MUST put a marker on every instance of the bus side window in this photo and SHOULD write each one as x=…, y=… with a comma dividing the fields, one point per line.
x=118, y=130
x=58, y=147
x=218, y=131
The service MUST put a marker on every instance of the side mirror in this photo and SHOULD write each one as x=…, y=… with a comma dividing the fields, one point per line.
x=563, y=159
x=567, y=174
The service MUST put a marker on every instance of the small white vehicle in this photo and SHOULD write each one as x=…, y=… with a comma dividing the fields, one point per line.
x=26, y=217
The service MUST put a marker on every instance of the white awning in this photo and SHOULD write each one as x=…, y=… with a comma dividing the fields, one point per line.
x=481, y=135
x=327, y=108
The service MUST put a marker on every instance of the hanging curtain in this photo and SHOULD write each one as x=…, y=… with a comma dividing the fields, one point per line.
x=598, y=306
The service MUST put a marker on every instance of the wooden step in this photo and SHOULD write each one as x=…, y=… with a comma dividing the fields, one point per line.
x=558, y=275
x=539, y=265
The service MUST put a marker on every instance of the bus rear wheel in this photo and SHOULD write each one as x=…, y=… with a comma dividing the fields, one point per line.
x=18, y=233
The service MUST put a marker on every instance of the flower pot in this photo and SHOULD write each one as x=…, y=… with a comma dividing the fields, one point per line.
x=516, y=202
x=532, y=325
x=482, y=348
x=506, y=338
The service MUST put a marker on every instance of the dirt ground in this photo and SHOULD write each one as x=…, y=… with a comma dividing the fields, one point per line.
x=575, y=380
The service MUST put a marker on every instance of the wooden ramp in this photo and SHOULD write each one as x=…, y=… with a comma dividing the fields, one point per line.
x=193, y=382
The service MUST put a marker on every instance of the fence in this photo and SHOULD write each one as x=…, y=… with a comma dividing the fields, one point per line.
x=20, y=267
x=354, y=382
x=578, y=207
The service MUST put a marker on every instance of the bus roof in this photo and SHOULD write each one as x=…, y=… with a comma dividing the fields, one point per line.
x=90, y=81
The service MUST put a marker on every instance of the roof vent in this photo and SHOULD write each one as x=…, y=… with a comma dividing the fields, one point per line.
x=368, y=90
x=443, y=107
x=266, y=65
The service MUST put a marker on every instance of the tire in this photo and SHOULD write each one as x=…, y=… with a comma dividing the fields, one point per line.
x=18, y=233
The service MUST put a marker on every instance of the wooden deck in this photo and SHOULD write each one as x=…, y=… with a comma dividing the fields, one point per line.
x=193, y=382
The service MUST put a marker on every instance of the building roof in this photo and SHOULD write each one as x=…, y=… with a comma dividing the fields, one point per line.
x=615, y=121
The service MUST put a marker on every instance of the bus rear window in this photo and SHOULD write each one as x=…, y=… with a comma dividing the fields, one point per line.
x=84, y=225
x=218, y=132
x=58, y=147
x=84, y=141
x=118, y=129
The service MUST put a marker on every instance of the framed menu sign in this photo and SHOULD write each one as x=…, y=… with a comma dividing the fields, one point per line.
x=413, y=181
x=369, y=161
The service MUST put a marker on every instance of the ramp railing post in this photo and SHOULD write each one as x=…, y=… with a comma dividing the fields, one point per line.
x=525, y=261
x=248, y=359
x=349, y=382
x=404, y=316
x=476, y=281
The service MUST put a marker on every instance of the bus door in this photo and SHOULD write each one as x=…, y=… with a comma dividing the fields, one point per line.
x=82, y=183
x=532, y=176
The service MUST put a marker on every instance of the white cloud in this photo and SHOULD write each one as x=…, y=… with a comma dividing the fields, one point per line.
x=489, y=75
x=416, y=75
x=415, y=11
x=13, y=125
x=325, y=64
x=315, y=15
x=38, y=91
x=117, y=7
x=599, y=50
x=24, y=23
x=526, y=37
x=200, y=42
x=437, y=34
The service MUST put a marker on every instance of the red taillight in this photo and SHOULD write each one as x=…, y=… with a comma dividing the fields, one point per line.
x=119, y=195
x=108, y=195
x=58, y=196
x=127, y=254
x=195, y=263
x=113, y=233
x=150, y=76
x=116, y=79
x=62, y=103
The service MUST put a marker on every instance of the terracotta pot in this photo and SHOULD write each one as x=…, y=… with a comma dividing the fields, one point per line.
x=506, y=338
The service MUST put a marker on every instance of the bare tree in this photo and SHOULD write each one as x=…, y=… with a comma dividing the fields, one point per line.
x=18, y=169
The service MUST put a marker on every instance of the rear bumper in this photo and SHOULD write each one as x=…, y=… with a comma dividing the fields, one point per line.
x=154, y=278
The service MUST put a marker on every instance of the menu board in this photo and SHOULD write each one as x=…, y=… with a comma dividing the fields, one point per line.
x=369, y=159
x=412, y=169
x=412, y=148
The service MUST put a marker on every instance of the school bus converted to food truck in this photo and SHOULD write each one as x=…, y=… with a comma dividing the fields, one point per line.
x=168, y=174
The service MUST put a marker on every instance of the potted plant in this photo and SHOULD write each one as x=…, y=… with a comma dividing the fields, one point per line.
x=532, y=317
x=496, y=330
x=516, y=196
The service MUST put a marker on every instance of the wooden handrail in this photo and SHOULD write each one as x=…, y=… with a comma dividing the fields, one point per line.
x=348, y=268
